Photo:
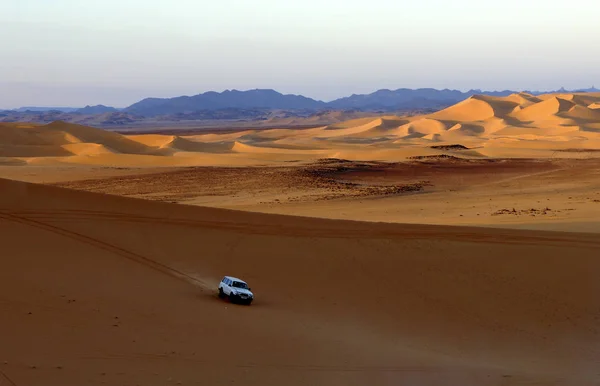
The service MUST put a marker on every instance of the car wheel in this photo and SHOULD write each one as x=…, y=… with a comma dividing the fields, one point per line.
x=231, y=297
x=221, y=293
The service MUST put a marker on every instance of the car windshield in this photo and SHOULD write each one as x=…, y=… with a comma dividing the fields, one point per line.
x=237, y=284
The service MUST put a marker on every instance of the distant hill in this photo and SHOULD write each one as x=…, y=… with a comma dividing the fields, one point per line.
x=45, y=109
x=230, y=99
x=36, y=116
x=422, y=98
x=98, y=109
x=589, y=90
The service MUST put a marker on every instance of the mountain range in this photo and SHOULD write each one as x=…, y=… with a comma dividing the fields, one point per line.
x=256, y=103
x=387, y=100
x=251, y=99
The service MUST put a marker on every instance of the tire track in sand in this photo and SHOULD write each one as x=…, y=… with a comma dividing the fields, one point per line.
x=10, y=381
x=97, y=243
x=371, y=230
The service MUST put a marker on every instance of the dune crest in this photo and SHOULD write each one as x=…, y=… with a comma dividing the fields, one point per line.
x=594, y=106
x=472, y=109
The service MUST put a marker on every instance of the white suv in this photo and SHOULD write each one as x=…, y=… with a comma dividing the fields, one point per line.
x=236, y=290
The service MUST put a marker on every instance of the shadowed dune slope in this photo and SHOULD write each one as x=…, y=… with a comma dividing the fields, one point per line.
x=584, y=113
x=544, y=109
x=108, y=290
x=523, y=99
x=62, y=139
x=82, y=134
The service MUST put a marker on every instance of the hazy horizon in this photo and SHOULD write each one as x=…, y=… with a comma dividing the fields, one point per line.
x=68, y=54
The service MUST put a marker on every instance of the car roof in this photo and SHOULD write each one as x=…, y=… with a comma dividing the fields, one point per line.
x=235, y=279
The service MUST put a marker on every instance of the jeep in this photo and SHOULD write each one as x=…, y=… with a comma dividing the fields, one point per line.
x=236, y=290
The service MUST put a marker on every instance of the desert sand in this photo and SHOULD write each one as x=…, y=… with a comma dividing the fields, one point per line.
x=99, y=289
x=458, y=248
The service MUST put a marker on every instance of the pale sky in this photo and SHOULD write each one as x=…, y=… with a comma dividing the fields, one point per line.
x=115, y=52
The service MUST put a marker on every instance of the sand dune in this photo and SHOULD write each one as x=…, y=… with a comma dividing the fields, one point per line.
x=239, y=147
x=426, y=126
x=219, y=137
x=86, y=149
x=81, y=134
x=547, y=108
x=467, y=129
x=337, y=131
x=472, y=109
x=152, y=140
x=523, y=99
x=477, y=108
x=478, y=121
x=121, y=291
x=350, y=123
x=580, y=98
x=179, y=144
x=583, y=113
x=384, y=126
